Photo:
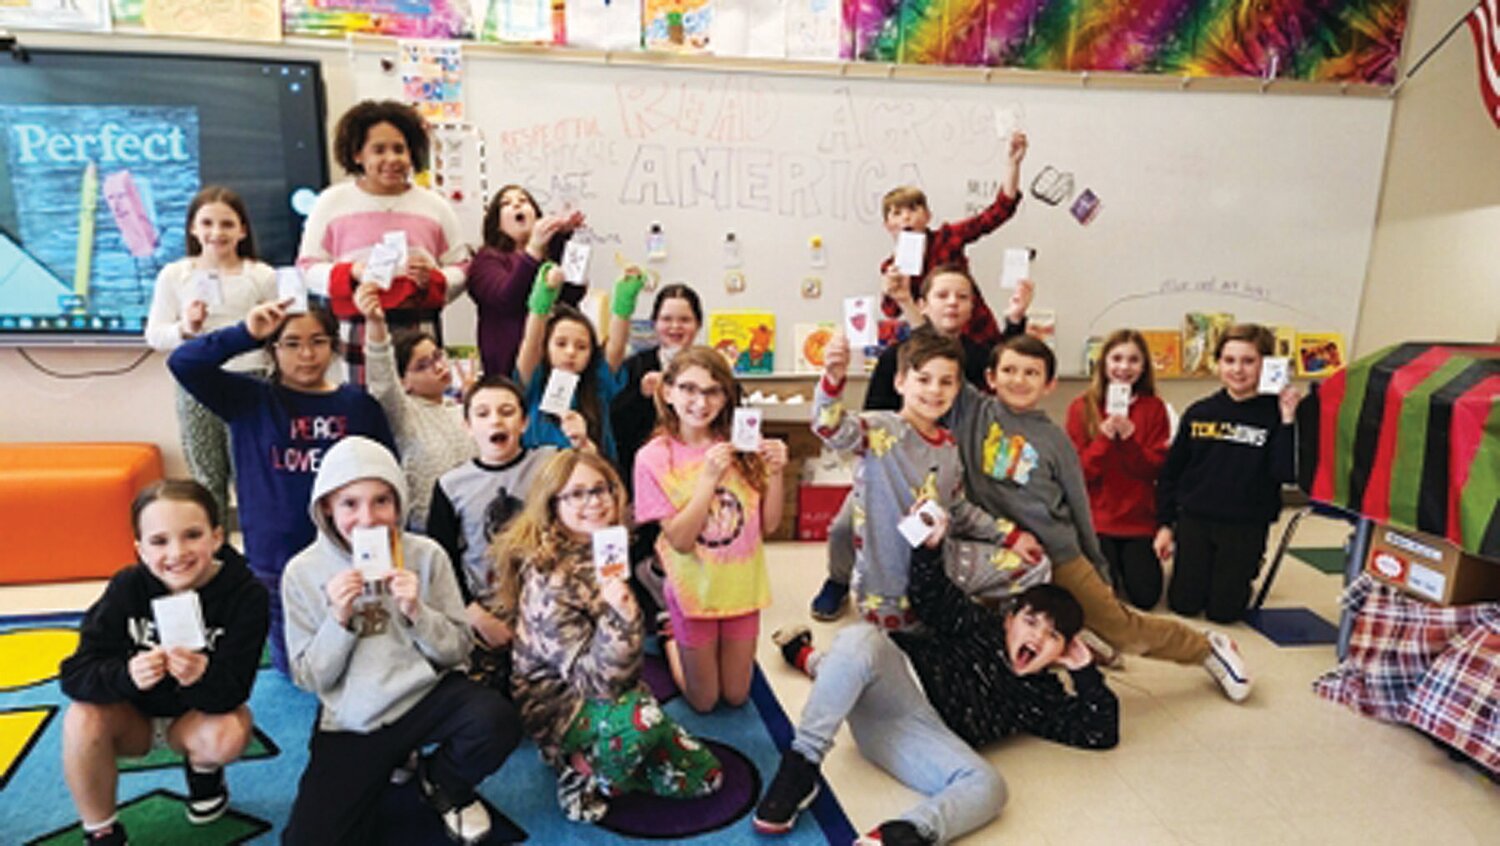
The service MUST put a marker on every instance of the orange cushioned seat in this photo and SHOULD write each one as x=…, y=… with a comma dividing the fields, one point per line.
x=65, y=508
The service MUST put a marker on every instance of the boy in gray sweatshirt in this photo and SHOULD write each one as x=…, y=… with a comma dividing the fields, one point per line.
x=1018, y=462
x=383, y=648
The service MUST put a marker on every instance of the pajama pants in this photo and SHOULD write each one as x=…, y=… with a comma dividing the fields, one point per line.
x=632, y=746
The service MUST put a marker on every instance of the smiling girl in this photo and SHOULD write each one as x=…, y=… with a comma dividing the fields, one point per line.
x=280, y=428
x=383, y=145
x=215, y=286
x=1121, y=456
x=132, y=694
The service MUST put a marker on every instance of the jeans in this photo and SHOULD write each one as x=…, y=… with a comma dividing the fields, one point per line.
x=865, y=679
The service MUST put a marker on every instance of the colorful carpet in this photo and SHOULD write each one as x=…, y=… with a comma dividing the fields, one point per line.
x=35, y=807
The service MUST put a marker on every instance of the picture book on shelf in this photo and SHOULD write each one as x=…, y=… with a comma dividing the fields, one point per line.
x=746, y=339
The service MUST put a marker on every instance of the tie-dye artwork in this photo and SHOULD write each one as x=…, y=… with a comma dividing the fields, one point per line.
x=1318, y=40
x=400, y=18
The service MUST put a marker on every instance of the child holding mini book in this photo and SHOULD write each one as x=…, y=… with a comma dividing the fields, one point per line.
x=908, y=463
x=1220, y=489
x=1018, y=462
x=1120, y=428
x=563, y=565
x=907, y=218
x=474, y=502
x=376, y=628
x=716, y=497
x=408, y=375
x=166, y=659
x=215, y=285
x=562, y=367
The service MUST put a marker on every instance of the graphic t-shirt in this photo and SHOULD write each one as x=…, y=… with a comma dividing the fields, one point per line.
x=725, y=574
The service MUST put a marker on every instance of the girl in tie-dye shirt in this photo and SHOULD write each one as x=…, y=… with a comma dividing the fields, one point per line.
x=714, y=505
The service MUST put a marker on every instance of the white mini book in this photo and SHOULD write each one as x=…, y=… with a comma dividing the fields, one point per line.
x=612, y=553
x=1017, y=266
x=396, y=240
x=859, y=322
x=179, y=620
x=558, y=397
x=381, y=265
x=575, y=262
x=1117, y=400
x=746, y=429
x=1275, y=374
x=208, y=287
x=372, y=551
x=911, y=247
x=918, y=526
x=289, y=287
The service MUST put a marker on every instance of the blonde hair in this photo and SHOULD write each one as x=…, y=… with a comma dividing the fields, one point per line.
x=536, y=538
x=1145, y=384
x=722, y=426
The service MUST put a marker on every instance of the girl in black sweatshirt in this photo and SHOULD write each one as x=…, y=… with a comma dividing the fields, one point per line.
x=131, y=694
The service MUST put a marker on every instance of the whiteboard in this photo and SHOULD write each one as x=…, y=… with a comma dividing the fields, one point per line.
x=1259, y=205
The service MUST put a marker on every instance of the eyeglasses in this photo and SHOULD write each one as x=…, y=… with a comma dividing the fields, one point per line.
x=579, y=497
x=713, y=393
x=422, y=365
x=296, y=345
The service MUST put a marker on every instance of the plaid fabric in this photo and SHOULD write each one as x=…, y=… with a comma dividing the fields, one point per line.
x=945, y=245
x=1395, y=640
x=1457, y=700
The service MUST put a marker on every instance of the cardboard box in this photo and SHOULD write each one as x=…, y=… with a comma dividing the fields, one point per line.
x=1431, y=568
x=817, y=505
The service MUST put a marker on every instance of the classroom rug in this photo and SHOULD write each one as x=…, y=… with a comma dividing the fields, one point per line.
x=1323, y=559
x=35, y=807
x=1292, y=626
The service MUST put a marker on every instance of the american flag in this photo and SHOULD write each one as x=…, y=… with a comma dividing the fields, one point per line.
x=1484, y=22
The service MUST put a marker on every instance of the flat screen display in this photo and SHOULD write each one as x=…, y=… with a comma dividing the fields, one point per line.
x=100, y=154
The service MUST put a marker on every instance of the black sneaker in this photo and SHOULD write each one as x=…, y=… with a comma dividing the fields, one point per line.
x=895, y=833
x=791, y=640
x=112, y=836
x=208, y=797
x=794, y=787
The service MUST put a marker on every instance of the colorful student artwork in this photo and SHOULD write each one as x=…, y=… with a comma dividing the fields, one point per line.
x=1357, y=41
x=244, y=20
x=677, y=25
x=85, y=15
x=746, y=339
x=401, y=18
x=432, y=78
x=1200, y=335
x=1165, y=346
x=812, y=341
x=526, y=21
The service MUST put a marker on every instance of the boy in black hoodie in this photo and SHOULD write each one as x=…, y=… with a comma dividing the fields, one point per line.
x=131, y=694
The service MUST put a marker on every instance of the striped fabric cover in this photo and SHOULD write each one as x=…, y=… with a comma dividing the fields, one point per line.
x=1410, y=436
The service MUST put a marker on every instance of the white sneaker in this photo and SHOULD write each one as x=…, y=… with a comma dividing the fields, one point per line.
x=405, y=770
x=469, y=824
x=1227, y=666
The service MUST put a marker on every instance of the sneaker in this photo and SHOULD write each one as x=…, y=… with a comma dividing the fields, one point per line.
x=112, y=836
x=1227, y=666
x=794, y=787
x=405, y=770
x=208, y=797
x=578, y=797
x=831, y=602
x=895, y=833
x=791, y=640
x=468, y=824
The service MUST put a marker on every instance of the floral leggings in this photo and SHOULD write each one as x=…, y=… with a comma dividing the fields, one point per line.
x=632, y=746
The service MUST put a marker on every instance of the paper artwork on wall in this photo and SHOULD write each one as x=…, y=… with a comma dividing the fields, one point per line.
x=399, y=18
x=526, y=21
x=460, y=172
x=240, y=20
x=432, y=78
x=677, y=25
x=749, y=28
x=813, y=29
x=85, y=15
x=603, y=24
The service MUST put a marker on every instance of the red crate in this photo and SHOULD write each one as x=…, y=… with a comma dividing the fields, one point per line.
x=816, y=507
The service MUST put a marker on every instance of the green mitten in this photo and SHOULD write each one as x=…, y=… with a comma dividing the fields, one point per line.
x=542, y=296
x=627, y=291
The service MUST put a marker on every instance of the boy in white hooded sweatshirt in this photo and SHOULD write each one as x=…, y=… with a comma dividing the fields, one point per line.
x=384, y=653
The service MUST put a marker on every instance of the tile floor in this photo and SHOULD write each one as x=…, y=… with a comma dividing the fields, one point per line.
x=1285, y=767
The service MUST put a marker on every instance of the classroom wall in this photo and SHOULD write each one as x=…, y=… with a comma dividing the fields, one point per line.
x=1432, y=273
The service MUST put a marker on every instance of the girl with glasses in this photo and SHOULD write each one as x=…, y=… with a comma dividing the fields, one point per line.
x=577, y=650
x=714, y=506
x=279, y=428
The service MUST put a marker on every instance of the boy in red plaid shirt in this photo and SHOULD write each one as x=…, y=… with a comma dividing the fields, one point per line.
x=905, y=209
